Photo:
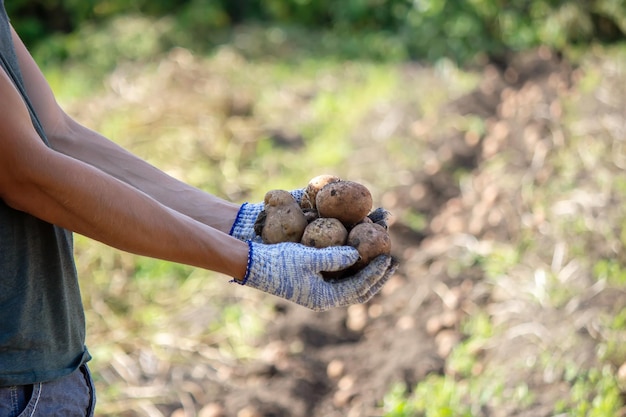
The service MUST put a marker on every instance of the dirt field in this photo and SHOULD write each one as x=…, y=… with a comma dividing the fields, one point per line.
x=514, y=243
x=347, y=360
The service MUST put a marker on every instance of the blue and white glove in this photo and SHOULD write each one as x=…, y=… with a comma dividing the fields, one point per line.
x=380, y=216
x=243, y=227
x=294, y=272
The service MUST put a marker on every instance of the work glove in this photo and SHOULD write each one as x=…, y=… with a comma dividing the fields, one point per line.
x=243, y=227
x=380, y=216
x=294, y=272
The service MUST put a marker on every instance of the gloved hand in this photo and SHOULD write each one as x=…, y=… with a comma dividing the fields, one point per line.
x=293, y=271
x=243, y=227
x=380, y=216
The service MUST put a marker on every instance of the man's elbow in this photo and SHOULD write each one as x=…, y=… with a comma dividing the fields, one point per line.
x=64, y=135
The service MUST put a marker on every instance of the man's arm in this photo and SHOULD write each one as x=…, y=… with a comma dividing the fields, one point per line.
x=74, y=140
x=72, y=194
x=89, y=185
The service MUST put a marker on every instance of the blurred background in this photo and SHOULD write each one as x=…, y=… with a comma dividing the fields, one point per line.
x=493, y=131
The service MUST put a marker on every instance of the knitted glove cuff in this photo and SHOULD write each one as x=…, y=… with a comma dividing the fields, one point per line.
x=249, y=264
x=243, y=226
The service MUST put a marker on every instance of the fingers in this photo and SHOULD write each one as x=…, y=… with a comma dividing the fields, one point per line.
x=393, y=266
x=293, y=271
x=333, y=258
x=362, y=286
x=379, y=216
x=374, y=271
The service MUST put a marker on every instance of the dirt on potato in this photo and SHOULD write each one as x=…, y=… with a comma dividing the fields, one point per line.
x=347, y=201
x=324, y=232
x=282, y=219
x=371, y=240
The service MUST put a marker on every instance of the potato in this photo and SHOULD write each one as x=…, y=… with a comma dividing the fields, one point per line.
x=371, y=240
x=347, y=201
x=314, y=186
x=284, y=220
x=365, y=219
x=340, y=216
x=276, y=198
x=324, y=232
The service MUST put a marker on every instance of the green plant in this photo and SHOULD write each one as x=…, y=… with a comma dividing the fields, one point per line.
x=447, y=396
x=428, y=29
x=610, y=270
x=436, y=396
x=592, y=394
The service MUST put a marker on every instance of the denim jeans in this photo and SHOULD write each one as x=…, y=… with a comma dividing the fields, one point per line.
x=70, y=396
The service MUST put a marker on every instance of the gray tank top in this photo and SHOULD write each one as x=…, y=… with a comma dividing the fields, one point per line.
x=42, y=324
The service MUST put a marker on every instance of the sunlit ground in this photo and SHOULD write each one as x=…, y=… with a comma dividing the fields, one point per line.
x=237, y=121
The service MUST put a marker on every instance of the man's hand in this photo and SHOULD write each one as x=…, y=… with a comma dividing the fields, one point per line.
x=294, y=272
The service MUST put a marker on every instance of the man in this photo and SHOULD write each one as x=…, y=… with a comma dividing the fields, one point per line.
x=58, y=177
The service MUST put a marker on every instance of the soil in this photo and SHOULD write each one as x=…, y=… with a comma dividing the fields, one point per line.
x=343, y=362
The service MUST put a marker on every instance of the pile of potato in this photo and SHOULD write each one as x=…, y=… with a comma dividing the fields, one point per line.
x=332, y=212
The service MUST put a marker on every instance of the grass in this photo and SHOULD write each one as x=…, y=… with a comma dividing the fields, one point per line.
x=593, y=394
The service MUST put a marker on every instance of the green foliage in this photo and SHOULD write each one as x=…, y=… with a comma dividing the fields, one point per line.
x=592, y=394
x=464, y=357
x=447, y=396
x=619, y=321
x=427, y=29
x=464, y=389
x=36, y=20
x=416, y=220
x=611, y=270
x=436, y=396
x=499, y=261
x=613, y=349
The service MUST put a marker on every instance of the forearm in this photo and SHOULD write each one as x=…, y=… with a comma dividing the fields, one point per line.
x=94, y=149
x=74, y=195
x=72, y=139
